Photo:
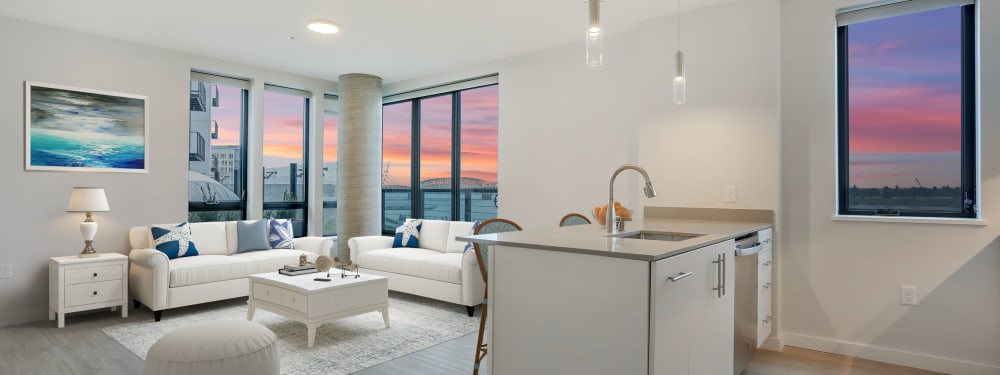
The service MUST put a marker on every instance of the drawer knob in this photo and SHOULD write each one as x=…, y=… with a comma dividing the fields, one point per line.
x=95, y=274
x=767, y=320
x=95, y=292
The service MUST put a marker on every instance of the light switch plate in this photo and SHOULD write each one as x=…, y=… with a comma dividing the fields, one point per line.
x=6, y=271
x=729, y=193
x=908, y=295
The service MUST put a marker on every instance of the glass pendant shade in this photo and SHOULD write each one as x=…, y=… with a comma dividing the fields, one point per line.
x=595, y=37
x=680, y=83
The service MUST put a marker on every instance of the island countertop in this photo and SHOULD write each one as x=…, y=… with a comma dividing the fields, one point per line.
x=592, y=239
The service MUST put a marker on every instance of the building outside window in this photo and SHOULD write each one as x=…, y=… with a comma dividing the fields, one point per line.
x=439, y=154
x=217, y=152
x=286, y=115
x=906, y=108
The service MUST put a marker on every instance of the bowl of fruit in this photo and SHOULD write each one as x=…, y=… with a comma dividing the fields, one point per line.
x=600, y=214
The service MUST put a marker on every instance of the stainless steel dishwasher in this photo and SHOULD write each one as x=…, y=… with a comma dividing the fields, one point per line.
x=745, y=290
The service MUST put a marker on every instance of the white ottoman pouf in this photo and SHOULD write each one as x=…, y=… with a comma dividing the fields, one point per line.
x=220, y=347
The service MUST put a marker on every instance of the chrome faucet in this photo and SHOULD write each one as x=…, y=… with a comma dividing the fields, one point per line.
x=611, y=224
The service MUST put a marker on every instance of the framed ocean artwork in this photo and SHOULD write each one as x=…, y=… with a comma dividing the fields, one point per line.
x=74, y=129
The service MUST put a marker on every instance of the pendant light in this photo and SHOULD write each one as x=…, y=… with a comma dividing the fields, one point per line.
x=680, y=83
x=595, y=38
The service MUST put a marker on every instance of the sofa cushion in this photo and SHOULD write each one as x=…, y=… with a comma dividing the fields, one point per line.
x=434, y=235
x=428, y=264
x=210, y=237
x=252, y=236
x=408, y=234
x=458, y=228
x=175, y=241
x=207, y=269
x=272, y=260
x=280, y=233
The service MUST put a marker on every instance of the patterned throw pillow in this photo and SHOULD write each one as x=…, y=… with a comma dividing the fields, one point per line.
x=280, y=233
x=408, y=234
x=175, y=241
x=469, y=245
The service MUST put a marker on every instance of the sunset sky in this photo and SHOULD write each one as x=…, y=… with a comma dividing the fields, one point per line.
x=283, y=133
x=905, y=100
x=479, y=136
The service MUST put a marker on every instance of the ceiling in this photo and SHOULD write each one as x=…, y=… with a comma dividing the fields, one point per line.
x=394, y=39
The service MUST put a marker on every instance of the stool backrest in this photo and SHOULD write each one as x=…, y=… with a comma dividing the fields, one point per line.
x=496, y=225
x=573, y=219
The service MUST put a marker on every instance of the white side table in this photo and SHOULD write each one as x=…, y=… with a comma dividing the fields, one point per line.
x=77, y=284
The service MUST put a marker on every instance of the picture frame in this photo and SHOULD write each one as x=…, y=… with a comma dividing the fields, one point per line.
x=73, y=129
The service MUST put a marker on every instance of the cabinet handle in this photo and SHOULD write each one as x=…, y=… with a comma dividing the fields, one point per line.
x=765, y=286
x=767, y=263
x=767, y=240
x=95, y=292
x=680, y=275
x=767, y=320
x=720, y=279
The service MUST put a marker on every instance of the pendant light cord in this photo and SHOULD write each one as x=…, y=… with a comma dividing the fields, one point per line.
x=678, y=25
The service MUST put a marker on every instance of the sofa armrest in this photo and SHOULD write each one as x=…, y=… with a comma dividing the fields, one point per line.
x=314, y=244
x=149, y=277
x=473, y=286
x=362, y=244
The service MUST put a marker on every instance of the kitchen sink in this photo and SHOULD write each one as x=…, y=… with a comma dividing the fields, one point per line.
x=657, y=236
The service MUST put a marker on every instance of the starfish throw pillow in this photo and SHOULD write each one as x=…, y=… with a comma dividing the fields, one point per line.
x=175, y=241
x=408, y=234
x=280, y=234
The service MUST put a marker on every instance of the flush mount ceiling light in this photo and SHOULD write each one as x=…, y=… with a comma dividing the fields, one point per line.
x=595, y=37
x=323, y=27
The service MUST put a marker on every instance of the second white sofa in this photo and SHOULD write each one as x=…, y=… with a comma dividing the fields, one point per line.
x=440, y=268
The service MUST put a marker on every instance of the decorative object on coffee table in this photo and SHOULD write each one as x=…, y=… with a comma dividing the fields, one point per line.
x=323, y=264
x=302, y=260
x=345, y=267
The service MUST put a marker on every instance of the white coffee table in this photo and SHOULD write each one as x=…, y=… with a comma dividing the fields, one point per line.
x=303, y=299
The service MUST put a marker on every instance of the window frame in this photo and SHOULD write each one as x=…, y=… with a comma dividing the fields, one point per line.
x=969, y=128
x=416, y=197
x=241, y=205
x=304, y=204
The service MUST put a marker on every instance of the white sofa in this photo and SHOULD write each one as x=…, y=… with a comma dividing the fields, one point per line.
x=218, y=272
x=439, y=269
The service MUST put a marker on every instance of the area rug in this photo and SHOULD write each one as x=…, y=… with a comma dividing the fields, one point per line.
x=342, y=347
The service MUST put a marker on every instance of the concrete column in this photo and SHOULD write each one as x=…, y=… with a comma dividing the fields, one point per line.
x=359, y=159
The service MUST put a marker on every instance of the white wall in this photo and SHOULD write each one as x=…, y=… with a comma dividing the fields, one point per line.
x=565, y=127
x=35, y=225
x=841, y=279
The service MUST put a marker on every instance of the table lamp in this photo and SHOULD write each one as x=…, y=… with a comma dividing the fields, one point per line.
x=88, y=199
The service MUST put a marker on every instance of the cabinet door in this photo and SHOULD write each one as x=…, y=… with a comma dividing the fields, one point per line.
x=679, y=307
x=712, y=347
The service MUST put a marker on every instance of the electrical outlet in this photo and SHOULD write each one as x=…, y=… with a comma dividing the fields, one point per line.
x=908, y=295
x=6, y=271
x=729, y=193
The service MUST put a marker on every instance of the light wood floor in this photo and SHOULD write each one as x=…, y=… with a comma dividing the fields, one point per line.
x=39, y=348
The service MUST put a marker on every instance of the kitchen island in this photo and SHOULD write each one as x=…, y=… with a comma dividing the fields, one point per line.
x=574, y=300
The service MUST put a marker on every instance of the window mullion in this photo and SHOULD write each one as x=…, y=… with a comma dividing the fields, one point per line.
x=416, y=193
x=456, y=153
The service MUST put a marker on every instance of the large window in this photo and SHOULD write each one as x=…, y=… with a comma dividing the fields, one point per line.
x=331, y=111
x=216, y=149
x=286, y=115
x=907, y=117
x=439, y=156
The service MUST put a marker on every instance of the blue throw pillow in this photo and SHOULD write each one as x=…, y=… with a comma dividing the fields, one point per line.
x=251, y=236
x=408, y=234
x=469, y=245
x=280, y=233
x=175, y=241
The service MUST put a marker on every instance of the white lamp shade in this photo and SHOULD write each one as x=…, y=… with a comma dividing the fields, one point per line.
x=88, y=199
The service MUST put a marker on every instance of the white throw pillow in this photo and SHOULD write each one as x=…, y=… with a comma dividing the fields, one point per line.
x=210, y=237
x=458, y=228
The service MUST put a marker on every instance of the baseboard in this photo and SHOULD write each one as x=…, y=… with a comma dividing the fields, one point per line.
x=14, y=317
x=772, y=343
x=889, y=355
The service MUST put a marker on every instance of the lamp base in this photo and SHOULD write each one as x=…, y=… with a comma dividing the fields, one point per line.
x=88, y=250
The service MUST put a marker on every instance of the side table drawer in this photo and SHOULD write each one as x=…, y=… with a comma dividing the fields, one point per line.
x=85, y=294
x=280, y=296
x=92, y=274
